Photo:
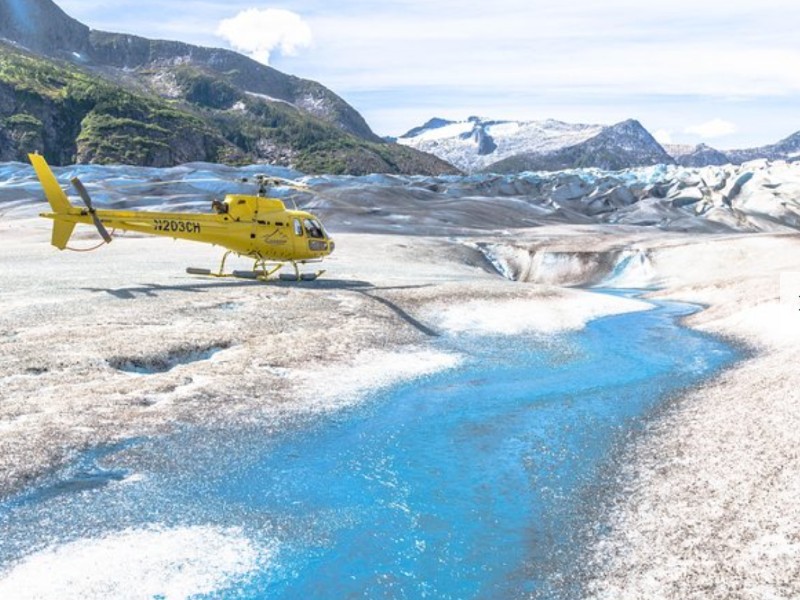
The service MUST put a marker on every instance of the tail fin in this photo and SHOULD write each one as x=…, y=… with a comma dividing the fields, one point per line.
x=62, y=230
x=55, y=195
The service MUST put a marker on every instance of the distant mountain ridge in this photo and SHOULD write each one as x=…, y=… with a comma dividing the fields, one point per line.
x=93, y=96
x=787, y=149
x=480, y=144
x=485, y=145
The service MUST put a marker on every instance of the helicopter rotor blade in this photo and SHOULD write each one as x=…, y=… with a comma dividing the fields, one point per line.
x=174, y=182
x=281, y=182
x=87, y=200
x=290, y=183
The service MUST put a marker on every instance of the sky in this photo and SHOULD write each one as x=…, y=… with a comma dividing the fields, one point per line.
x=691, y=71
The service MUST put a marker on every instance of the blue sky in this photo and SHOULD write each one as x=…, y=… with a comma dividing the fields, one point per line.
x=723, y=73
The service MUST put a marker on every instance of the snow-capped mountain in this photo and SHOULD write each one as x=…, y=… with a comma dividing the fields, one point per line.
x=787, y=149
x=479, y=144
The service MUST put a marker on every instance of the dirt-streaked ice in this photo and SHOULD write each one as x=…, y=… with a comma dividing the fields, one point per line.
x=707, y=504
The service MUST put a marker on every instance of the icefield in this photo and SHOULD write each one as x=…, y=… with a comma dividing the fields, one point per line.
x=120, y=348
x=753, y=197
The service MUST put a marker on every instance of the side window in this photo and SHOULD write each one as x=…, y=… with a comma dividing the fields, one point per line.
x=298, y=228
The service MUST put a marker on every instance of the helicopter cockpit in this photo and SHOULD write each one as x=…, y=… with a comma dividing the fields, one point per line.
x=311, y=227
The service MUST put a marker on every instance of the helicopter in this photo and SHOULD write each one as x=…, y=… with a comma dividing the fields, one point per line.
x=256, y=227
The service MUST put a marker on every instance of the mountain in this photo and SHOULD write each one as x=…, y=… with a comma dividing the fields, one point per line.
x=787, y=149
x=479, y=144
x=697, y=156
x=702, y=155
x=42, y=27
x=80, y=95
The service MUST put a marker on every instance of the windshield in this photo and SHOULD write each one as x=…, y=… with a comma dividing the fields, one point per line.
x=314, y=228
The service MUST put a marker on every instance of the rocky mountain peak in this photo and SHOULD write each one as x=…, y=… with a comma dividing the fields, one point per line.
x=41, y=26
x=434, y=123
x=482, y=144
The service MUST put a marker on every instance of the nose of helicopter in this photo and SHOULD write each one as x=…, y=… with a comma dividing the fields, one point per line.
x=324, y=247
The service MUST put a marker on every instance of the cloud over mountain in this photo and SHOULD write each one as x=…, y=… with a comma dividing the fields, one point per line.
x=261, y=32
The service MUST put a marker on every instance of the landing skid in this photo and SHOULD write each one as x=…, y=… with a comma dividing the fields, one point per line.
x=262, y=271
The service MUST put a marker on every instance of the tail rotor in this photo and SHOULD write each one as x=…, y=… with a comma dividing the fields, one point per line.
x=87, y=200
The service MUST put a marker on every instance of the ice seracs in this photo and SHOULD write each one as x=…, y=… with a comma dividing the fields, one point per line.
x=755, y=196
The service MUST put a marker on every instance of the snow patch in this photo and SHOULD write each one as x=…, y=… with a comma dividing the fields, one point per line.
x=448, y=131
x=771, y=323
x=268, y=98
x=790, y=292
x=132, y=564
x=566, y=311
x=334, y=386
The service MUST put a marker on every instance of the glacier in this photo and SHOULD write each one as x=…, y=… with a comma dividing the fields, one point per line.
x=758, y=196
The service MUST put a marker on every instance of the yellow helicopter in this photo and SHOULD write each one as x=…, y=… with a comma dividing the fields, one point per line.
x=257, y=227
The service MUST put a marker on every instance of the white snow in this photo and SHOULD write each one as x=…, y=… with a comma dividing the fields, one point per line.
x=790, y=291
x=134, y=564
x=504, y=129
x=511, y=138
x=268, y=98
x=441, y=133
x=337, y=385
x=570, y=310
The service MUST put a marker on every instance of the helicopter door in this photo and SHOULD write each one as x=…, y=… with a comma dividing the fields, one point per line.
x=254, y=230
x=298, y=239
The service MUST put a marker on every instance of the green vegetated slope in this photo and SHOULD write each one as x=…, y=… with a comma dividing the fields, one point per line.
x=172, y=113
x=72, y=116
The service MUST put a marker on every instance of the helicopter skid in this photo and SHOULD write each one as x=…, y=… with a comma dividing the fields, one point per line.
x=257, y=275
x=262, y=271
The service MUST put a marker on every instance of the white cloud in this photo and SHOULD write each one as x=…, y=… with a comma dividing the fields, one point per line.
x=260, y=32
x=714, y=128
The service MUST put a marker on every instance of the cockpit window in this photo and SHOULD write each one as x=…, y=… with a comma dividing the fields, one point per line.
x=298, y=228
x=314, y=229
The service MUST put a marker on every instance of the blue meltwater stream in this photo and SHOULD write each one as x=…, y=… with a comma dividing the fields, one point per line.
x=472, y=483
